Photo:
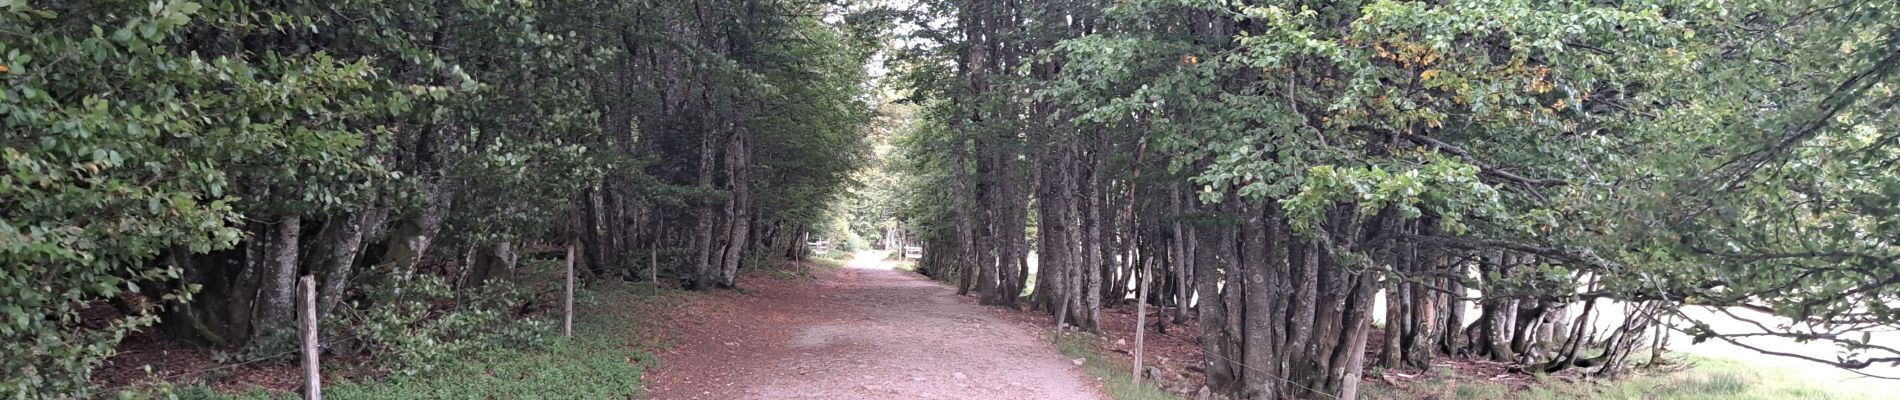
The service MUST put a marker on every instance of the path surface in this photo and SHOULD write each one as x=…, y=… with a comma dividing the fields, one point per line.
x=861, y=332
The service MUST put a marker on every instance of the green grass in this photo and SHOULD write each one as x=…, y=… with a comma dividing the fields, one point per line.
x=1704, y=379
x=1114, y=375
x=829, y=262
x=837, y=254
x=595, y=364
x=790, y=269
x=798, y=270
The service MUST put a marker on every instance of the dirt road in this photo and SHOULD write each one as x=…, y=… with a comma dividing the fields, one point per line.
x=861, y=332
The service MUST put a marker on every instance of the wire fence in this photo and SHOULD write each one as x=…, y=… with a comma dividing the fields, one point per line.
x=1269, y=374
x=1059, y=334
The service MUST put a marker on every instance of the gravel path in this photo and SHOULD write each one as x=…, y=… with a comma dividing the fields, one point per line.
x=862, y=332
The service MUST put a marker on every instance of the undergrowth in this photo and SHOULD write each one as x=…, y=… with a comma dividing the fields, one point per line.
x=837, y=254
x=1117, y=381
x=596, y=363
x=829, y=262
x=1704, y=378
x=799, y=270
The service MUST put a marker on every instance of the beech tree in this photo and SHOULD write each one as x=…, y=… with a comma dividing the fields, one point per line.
x=1557, y=160
x=182, y=162
x=176, y=165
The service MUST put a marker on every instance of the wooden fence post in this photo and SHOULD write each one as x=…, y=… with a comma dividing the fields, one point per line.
x=653, y=268
x=1141, y=314
x=1141, y=301
x=567, y=310
x=653, y=261
x=313, y=379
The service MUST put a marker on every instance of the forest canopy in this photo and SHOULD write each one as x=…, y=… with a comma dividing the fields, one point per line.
x=1544, y=163
x=181, y=163
x=1550, y=185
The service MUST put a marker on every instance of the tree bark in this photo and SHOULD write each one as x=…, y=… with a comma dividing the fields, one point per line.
x=1213, y=316
x=701, y=276
x=1052, y=231
x=738, y=160
x=276, y=303
x=413, y=235
x=966, y=232
x=494, y=261
x=1092, y=247
x=1259, y=264
x=343, y=237
x=1426, y=306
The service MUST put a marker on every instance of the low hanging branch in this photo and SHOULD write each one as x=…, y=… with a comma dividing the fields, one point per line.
x=1486, y=168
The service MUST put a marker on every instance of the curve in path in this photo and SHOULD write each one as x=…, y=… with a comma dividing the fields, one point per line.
x=861, y=332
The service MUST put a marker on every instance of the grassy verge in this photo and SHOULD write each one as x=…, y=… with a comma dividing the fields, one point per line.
x=1703, y=378
x=596, y=363
x=830, y=262
x=1117, y=383
x=836, y=254
x=800, y=270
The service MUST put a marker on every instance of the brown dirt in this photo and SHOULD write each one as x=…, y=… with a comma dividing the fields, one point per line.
x=1176, y=354
x=146, y=357
x=862, y=332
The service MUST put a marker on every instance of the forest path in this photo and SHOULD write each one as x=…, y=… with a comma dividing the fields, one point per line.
x=865, y=331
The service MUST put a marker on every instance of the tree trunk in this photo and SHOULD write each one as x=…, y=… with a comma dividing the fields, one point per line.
x=1495, y=322
x=343, y=237
x=1213, y=316
x=494, y=261
x=1010, y=230
x=243, y=291
x=965, y=216
x=1426, y=306
x=597, y=244
x=738, y=158
x=1262, y=260
x=1055, y=227
x=413, y=235
x=1395, y=301
x=1184, y=258
x=276, y=294
x=702, y=275
x=1454, y=340
x=1092, y=247
x=1356, y=353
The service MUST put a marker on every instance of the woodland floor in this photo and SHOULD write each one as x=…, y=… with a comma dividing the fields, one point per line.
x=864, y=331
x=871, y=331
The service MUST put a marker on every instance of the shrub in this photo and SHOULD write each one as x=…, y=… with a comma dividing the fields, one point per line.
x=430, y=328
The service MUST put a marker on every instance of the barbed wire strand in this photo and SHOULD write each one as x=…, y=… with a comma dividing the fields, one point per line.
x=1282, y=379
x=165, y=379
x=152, y=380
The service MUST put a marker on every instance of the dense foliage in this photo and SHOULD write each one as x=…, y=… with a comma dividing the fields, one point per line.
x=177, y=164
x=1280, y=163
x=172, y=166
